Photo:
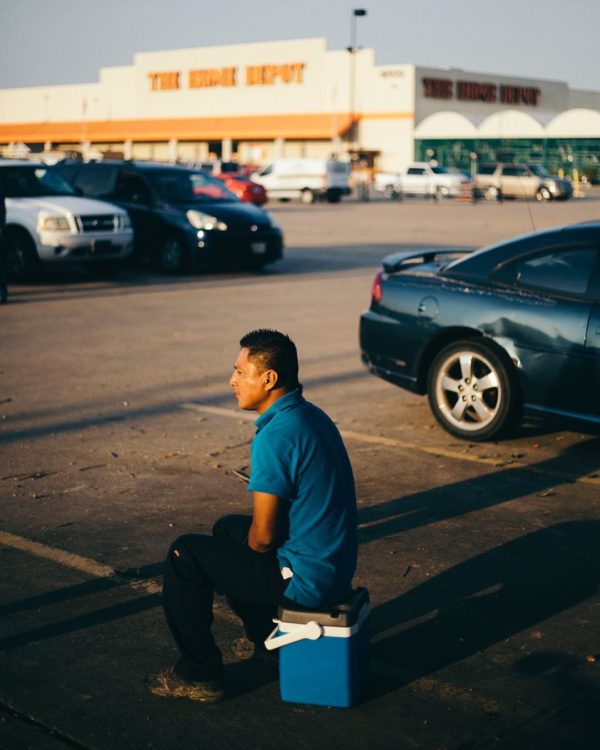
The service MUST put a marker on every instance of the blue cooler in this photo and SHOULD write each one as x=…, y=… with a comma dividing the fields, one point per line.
x=324, y=654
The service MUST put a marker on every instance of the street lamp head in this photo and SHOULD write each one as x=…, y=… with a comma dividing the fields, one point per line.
x=359, y=12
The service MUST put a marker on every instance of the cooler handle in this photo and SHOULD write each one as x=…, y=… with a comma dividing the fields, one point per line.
x=312, y=631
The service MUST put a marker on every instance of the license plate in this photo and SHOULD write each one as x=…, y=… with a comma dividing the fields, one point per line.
x=259, y=248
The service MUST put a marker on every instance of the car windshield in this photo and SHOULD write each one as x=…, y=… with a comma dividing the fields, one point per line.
x=181, y=186
x=33, y=182
x=439, y=170
x=539, y=171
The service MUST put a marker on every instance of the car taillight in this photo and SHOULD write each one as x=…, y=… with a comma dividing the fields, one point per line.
x=376, y=291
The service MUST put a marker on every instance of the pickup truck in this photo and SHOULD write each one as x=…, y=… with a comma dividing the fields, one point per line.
x=421, y=178
x=497, y=181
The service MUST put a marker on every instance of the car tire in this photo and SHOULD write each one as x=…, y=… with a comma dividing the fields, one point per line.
x=391, y=193
x=491, y=193
x=22, y=260
x=543, y=194
x=442, y=193
x=472, y=391
x=307, y=196
x=172, y=255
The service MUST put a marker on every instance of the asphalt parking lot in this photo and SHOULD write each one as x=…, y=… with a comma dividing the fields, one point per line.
x=119, y=432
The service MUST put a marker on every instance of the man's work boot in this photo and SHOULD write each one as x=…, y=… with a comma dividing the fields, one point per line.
x=170, y=685
x=244, y=648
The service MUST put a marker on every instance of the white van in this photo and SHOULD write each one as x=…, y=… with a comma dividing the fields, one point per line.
x=306, y=179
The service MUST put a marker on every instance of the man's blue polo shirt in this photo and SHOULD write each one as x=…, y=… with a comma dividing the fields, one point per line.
x=298, y=455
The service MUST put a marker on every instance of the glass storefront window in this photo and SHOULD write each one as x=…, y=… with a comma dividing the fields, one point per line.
x=554, y=154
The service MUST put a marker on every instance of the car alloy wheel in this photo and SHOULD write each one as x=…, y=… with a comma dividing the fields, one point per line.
x=491, y=193
x=471, y=391
x=307, y=196
x=172, y=257
x=543, y=194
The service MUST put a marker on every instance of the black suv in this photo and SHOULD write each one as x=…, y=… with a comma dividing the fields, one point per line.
x=182, y=218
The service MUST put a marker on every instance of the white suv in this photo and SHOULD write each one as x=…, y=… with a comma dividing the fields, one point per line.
x=46, y=221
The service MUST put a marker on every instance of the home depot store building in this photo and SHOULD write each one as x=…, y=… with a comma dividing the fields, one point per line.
x=256, y=102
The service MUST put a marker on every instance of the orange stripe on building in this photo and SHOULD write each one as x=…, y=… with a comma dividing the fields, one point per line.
x=262, y=127
x=315, y=126
x=387, y=116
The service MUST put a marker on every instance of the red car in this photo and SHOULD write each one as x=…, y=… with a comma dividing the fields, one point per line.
x=243, y=187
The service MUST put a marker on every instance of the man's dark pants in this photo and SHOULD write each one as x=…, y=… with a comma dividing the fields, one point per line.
x=196, y=566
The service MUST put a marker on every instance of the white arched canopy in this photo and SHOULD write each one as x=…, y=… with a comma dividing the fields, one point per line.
x=575, y=123
x=446, y=125
x=511, y=123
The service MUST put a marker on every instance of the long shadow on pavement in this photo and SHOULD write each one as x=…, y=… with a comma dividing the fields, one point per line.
x=297, y=262
x=486, y=599
x=452, y=500
x=460, y=612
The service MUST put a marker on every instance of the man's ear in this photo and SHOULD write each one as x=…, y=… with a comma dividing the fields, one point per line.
x=271, y=379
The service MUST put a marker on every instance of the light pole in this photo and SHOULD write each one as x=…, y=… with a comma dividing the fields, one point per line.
x=356, y=13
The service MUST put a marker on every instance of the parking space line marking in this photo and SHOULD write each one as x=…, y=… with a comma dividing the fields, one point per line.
x=76, y=562
x=393, y=443
x=93, y=568
x=407, y=445
x=496, y=462
x=68, y=559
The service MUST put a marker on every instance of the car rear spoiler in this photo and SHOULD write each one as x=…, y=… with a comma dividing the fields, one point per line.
x=394, y=263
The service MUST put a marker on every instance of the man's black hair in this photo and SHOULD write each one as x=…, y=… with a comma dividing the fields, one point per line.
x=274, y=351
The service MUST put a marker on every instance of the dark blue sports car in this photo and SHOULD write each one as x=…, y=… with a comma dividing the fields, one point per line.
x=508, y=330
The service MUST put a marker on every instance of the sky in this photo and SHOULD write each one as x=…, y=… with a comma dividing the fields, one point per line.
x=47, y=42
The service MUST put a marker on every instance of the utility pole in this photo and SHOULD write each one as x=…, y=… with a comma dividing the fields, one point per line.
x=352, y=49
x=354, y=132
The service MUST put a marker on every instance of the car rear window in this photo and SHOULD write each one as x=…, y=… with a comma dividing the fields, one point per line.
x=96, y=180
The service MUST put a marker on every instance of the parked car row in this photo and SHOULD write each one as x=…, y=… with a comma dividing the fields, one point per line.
x=102, y=212
x=510, y=330
x=492, y=181
x=306, y=179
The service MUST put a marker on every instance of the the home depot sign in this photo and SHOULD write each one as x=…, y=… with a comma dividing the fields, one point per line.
x=474, y=91
x=202, y=78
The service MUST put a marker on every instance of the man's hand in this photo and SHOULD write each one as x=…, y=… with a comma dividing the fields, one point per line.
x=263, y=530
